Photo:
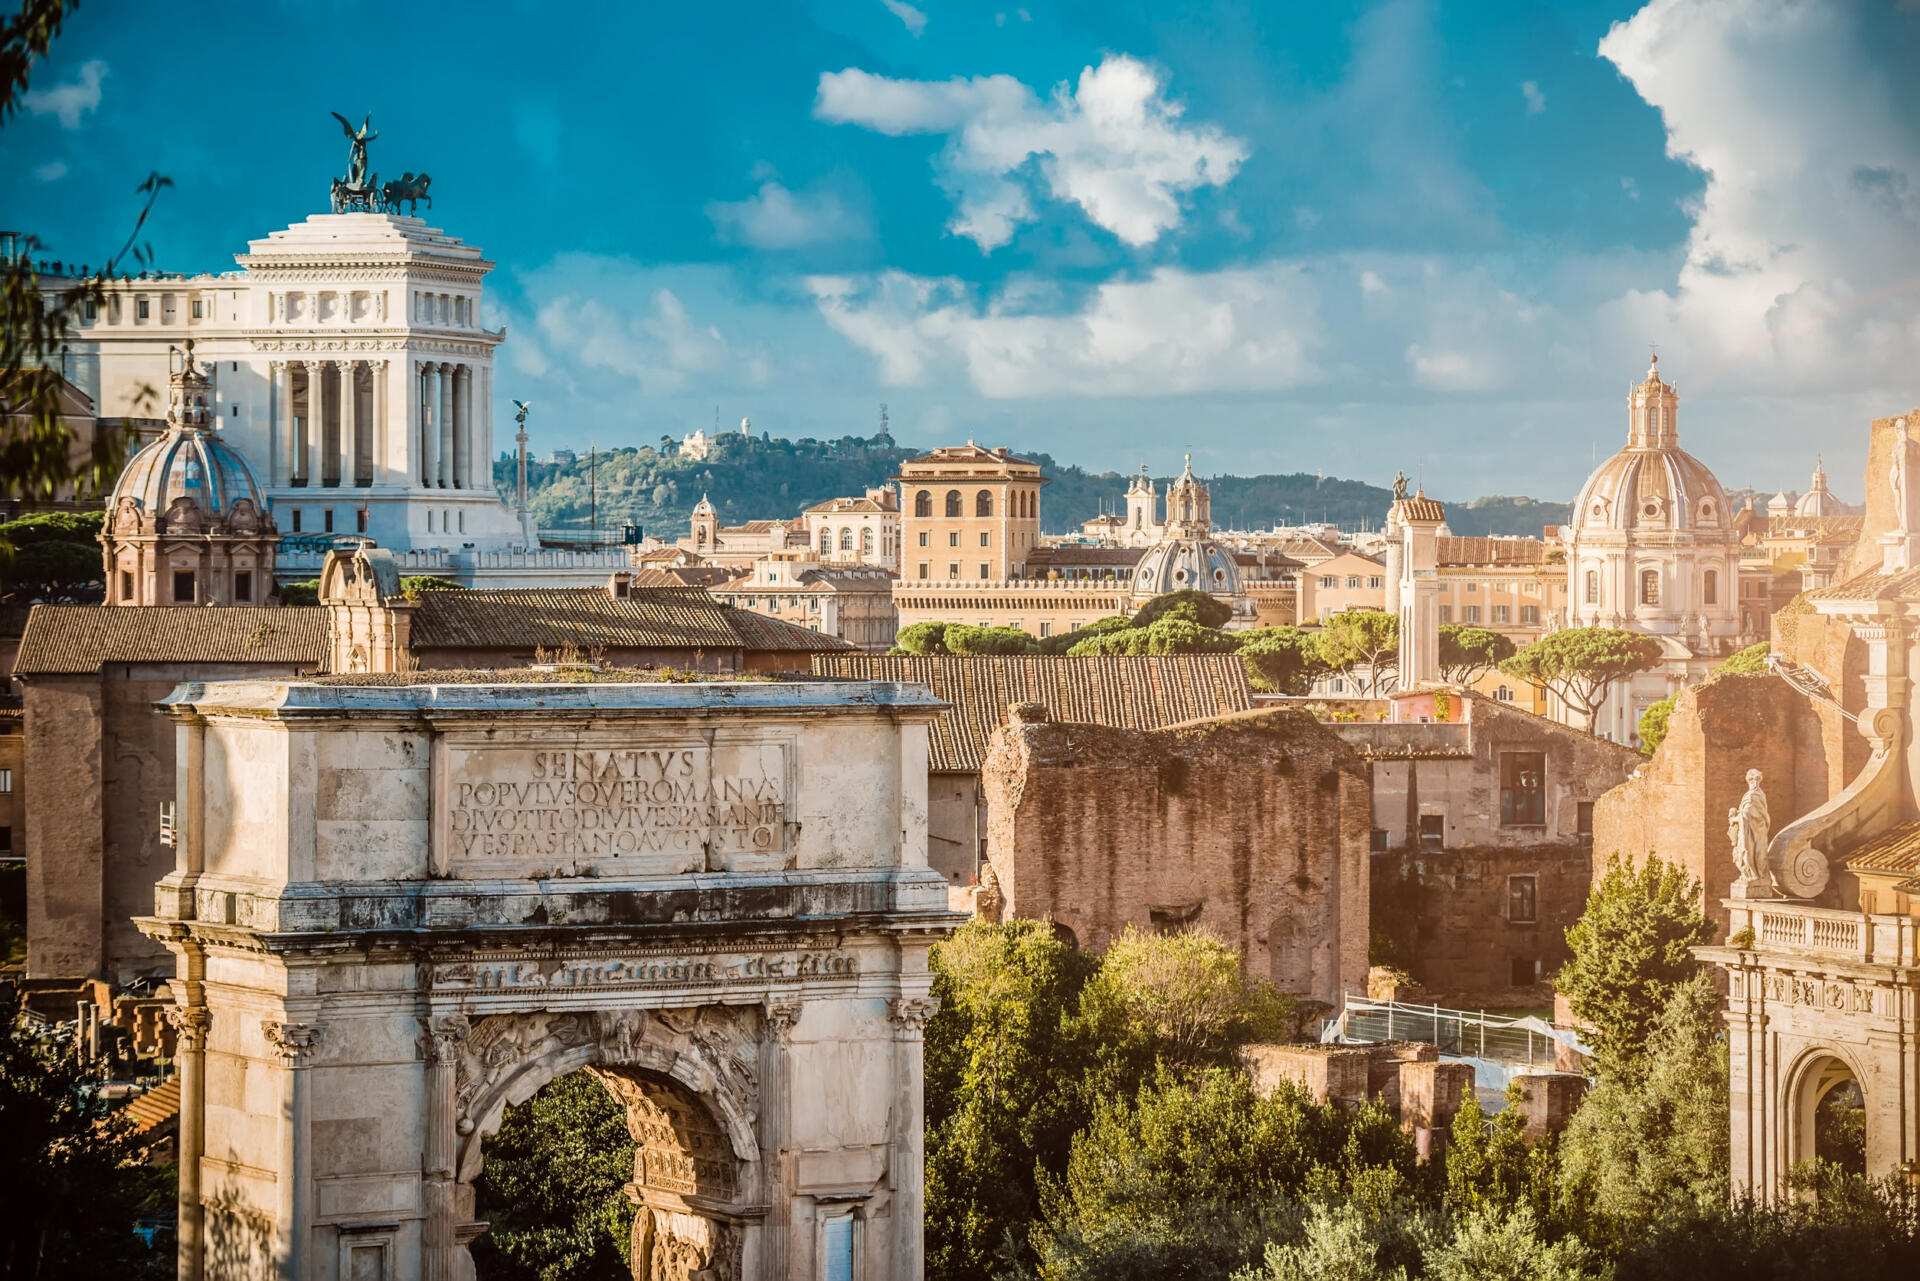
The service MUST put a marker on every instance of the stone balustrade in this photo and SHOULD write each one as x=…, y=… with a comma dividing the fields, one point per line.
x=1825, y=932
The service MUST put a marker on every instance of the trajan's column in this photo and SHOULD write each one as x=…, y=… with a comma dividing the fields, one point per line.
x=398, y=909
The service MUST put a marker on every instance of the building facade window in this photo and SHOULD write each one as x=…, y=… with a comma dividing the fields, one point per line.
x=1593, y=587
x=1503, y=694
x=1523, y=792
x=1433, y=831
x=1470, y=613
x=1530, y=615
x=1378, y=841
x=183, y=587
x=986, y=539
x=242, y=586
x=327, y=519
x=1522, y=900
x=923, y=538
x=1353, y=580
x=866, y=544
x=826, y=541
x=126, y=585
x=954, y=503
x=986, y=570
x=1649, y=587
x=1375, y=580
x=1502, y=614
x=953, y=569
x=1446, y=614
x=1583, y=819
x=6, y=782
x=846, y=540
x=1329, y=581
x=925, y=570
x=296, y=521
x=1710, y=588
x=983, y=503
x=923, y=505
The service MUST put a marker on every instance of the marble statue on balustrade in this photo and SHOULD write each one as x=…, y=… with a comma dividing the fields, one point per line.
x=1748, y=825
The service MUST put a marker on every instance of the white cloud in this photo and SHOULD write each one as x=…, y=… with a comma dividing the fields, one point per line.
x=1536, y=101
x=776, y=218
x=71, y=100
x=52, y=171
x=913, y=19
x=1113, y=144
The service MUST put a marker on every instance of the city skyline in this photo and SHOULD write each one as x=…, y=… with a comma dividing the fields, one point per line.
x=1348, y=243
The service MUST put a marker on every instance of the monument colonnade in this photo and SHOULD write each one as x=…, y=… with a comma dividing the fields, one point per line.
x=332, y=419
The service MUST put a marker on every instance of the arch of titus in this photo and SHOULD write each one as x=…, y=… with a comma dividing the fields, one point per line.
x=398, y=909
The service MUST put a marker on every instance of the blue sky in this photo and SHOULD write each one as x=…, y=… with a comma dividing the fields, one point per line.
x=1283, y=236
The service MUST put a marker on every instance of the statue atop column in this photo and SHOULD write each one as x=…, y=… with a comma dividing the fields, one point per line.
x=1748, y=825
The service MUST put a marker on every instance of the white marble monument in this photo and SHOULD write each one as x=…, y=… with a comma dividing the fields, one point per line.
x=397, y=910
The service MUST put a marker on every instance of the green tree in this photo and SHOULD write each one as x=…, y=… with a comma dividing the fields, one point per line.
x=962, y=639
x=72, y=1178
x=303, y=593
x=1653, y=724
x=550, y=1188
x=922, y=638
x=1363, y=644
x=1346, y=1242
x=1490, y=1245
x=1002, y=1101
x=52, y=557
x=1650, y=1145
x=1281, y=660
x=1195, y=607
x=1467, y=653
x=1631, y=948
x=1751, y=661
x=1169, y=634
x=1579, y=664
x=414, y=584
x=1063, y=642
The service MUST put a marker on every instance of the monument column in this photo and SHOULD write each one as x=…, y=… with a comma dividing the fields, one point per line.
x=349, y=420
x=378, y=375
x=190, y=1023
x=907, y=1164
x=280, y=394
x=444, y=455
x=310, y=447
x=483, y=429
x=294, y=1043
x=462, y=426
x=442, y=1042
x=429, y=427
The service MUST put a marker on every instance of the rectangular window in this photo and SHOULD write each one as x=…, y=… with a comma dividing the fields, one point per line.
x=6, y=782
x=126, y=585
x=1446, y=613
x=1377, y=841
x=198, y=313
x=1433, y=831
x=242, y=586
x=1530, y=615
x=89, y=312
x=1470, y=613
x=6, y=840
x=953, y=539
x=183, y=587
x=953, y=569
x=1046, y=629
x=986, y=539
x=925, y=570
x=1353, y=580
x=1502, y=613
x=923, y=538
x=1329, y=581
x=140, y=310
x=296, y=519
x=1520, y=900
x=1523, y=790
x=1473, y=587
x=836, y=1245
x=985, y=570
x=360, y=520
x=1526, y=971
x=1375, y=580
x=327, y=517
x=1583, y=819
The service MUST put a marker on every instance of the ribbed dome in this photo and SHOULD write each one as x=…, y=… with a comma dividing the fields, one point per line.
x=190, y=460
x=1819, y=500
x=1179, y=564
x=1652, y=484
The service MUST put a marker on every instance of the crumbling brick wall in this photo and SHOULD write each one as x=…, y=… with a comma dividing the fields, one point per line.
x=1676, y=807
x=1253, y=826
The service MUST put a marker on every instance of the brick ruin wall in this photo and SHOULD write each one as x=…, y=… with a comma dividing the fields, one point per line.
x=1253, y=826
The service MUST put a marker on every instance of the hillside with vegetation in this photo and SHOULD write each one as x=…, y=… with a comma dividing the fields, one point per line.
x=761, y=477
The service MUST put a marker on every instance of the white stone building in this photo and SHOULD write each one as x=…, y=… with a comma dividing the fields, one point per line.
x=1652, y=547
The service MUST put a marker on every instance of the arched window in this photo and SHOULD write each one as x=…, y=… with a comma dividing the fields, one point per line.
x=1593, y=587
x=1710, y=588
x=954, y=505
x=923, y=503
x=846, y=540
x=983, y=503
x=1649, y=587
x=826, y=541
x=866, y=543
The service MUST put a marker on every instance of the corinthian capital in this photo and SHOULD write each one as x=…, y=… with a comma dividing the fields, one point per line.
x=443, y=1036
x=294, y=1042
x=190, y=1024
x=910, y=1014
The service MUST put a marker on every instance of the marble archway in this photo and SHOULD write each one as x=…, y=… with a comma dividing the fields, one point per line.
x=688, y=1080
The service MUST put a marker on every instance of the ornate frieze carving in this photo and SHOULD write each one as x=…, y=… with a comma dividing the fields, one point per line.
x=714, y=970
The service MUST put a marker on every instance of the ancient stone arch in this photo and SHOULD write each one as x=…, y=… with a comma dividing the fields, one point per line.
x=1818, y=1071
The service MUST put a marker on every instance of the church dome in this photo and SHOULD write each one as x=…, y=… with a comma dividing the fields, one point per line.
x=190, y=460
x=1180, y=564
x=1652, y=484
x=1819, y=500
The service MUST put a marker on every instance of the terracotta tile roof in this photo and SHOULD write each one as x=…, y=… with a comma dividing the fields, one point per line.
x=1875, y=586
x=156, y=1108
x=1043, y=558
x=1270, y=560
x=848, y=506
x=1420, y=507
x=759, y=632
x=1311, y=549
x=677, y=617
x=1895, y=850
x=83, y=638
x=1491, y=551
x=685, y=576
x=1123, y=692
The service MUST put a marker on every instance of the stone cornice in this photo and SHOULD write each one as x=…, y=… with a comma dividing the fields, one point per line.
x=270, y=341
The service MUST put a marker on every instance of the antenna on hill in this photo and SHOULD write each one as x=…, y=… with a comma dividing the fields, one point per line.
x=593, y=489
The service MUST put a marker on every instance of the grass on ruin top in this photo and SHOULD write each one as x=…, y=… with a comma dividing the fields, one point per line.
x=562, y=675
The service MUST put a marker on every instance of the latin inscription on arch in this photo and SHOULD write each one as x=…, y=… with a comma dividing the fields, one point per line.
x=611, y=809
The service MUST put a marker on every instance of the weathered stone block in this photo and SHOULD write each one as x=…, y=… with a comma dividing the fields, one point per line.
x=1548, y=1100
x=1431, y=1093
x=1383, y=1068
x=1334, y=1074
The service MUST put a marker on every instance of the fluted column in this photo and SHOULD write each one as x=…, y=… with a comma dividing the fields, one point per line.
x=443, y=474
x=349, y=421
x=429, y=427
x=441, y=1043
x=280, y=390
x=294, y=1043
x=907, y=1164
x=310, y=447
x=776, y=1030
x=190, y=1025
x=483, y=429
x=378, y=469
x=462, y=427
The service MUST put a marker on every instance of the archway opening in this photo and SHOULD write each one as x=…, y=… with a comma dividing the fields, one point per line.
x=1831, y=1118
